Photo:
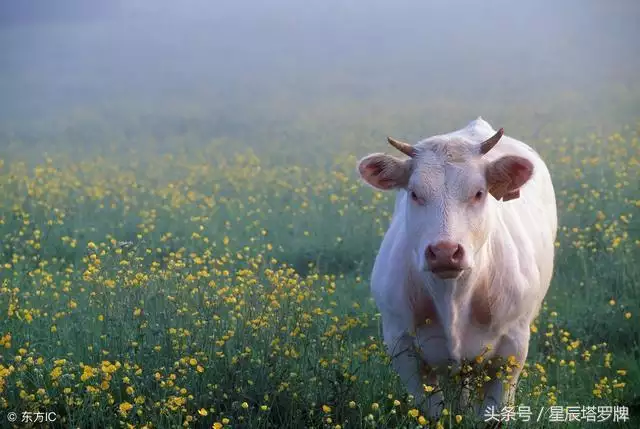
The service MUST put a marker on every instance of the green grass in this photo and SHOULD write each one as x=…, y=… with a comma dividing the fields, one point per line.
x=198, y=283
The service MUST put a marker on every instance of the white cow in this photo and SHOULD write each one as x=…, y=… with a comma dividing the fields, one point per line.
x=470, y=247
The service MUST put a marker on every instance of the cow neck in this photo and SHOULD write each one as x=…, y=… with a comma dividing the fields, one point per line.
x=455, y=302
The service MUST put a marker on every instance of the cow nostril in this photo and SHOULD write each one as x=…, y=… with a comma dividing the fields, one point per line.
x=430, y=255
x=458, y=254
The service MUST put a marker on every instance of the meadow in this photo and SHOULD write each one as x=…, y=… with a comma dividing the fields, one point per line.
x=223, y=282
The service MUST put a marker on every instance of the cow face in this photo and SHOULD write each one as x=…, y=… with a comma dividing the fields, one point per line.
x=449, y=187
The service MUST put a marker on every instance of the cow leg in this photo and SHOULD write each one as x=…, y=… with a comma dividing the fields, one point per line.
x=406, y=362
x=465, y=395
x=433, y=348
x=499, y=392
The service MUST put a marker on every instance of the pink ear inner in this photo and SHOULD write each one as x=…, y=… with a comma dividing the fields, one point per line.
x=386, y=183
x=506, y=175
x=372, y=171
x=520, y=171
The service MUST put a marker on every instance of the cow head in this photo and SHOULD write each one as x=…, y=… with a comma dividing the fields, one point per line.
x=450, y=186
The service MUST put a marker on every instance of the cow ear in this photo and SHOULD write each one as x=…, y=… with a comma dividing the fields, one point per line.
x=384, y=171
x=505, y=176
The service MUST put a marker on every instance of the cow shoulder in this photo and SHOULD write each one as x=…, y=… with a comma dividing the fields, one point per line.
x=390, y=273
x=482, y=301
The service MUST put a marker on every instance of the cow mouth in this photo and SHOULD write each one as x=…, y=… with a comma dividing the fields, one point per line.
x=447, y=272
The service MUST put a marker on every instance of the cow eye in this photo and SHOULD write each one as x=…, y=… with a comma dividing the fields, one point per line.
x=416, y=199
x=478, y=196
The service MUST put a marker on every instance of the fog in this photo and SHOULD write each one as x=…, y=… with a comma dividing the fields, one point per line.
x=279, y=58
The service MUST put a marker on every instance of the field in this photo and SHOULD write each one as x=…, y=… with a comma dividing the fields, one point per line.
x=184, y=240
x=223, y=283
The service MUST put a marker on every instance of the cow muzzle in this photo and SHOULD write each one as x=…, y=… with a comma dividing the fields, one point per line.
x=445, y=259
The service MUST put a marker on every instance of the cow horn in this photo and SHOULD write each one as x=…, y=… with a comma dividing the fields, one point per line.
x=489, y=143
x=405, y=148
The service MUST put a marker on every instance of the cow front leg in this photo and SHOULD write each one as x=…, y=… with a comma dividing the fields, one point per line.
x=407, y=362
x=501, y=391
x=433, y=347
x=464, y=402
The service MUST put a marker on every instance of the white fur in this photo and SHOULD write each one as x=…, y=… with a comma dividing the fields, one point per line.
x=517, y=254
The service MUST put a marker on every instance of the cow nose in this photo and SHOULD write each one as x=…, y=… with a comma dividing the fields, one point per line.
x=444, y=256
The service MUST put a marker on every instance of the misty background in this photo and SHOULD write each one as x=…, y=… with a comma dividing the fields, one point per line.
x=311, y=73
